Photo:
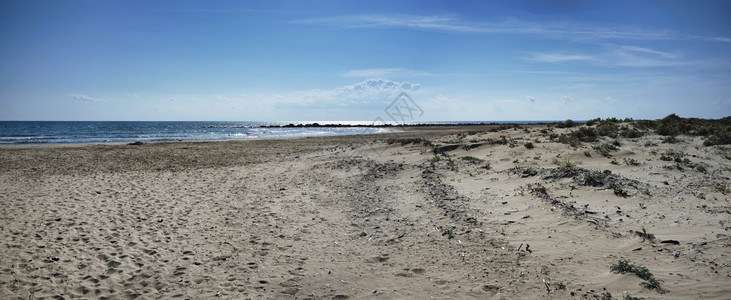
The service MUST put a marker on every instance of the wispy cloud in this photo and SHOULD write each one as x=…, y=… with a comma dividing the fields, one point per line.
x=454, y=24
x=574, y=87
x=632, y=56
x=624, y=56
x=559, y=57
x=643, y=50
x=399, y=20
x=83, y=97
x=384, y=72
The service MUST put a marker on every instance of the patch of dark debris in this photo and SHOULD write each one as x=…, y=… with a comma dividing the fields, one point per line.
x=446, y=197
x=372, y=168
x=368, y=197
x=582, y=177
x=567, y=208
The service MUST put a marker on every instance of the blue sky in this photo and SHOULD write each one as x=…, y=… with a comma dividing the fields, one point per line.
x=347, y=60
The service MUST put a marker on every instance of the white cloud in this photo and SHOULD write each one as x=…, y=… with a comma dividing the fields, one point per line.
x=531, y=99
x=377, y=86
x=366, y=92
x=83, y=97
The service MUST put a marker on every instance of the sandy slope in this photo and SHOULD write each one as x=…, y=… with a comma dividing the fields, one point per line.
x=356, y=217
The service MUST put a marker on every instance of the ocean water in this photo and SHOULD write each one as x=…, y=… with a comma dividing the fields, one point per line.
x=60, y=132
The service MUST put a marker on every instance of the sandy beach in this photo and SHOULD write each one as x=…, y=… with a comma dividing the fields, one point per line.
x=476, y=212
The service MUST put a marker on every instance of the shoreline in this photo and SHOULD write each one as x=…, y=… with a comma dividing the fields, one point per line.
x=395, y=130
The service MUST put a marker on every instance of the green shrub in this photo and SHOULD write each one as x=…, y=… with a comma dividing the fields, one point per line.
x=583, y=134
x=631, y=162
x=652, y=284
x=720, y=137
x=593, y=122
x=673, y=125
x=719, y=187
x=718, y=132
x=568, y=124
x=671, y=140
x=607, y=128
x=604, y=149
x=624, y=266
x=586, y=134
x=568, y=164
x=645, y=124
x=632, y=134
x=671, y=155
x=642, y=272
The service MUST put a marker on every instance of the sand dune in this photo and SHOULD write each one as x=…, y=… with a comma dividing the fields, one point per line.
x=357, y=217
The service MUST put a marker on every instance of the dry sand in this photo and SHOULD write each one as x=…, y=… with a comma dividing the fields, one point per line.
x=353, y=217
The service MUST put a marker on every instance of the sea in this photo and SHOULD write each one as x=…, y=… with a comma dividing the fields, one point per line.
x=80, y=132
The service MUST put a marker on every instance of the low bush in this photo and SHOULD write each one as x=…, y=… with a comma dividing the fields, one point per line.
x=624, y=266
x=568, y=124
